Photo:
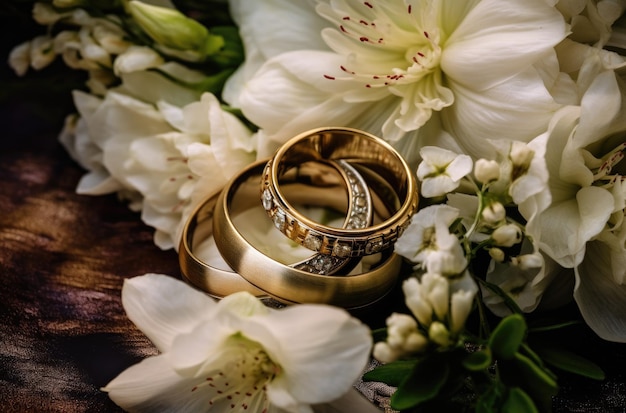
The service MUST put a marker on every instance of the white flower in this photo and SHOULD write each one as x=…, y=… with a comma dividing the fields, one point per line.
x=428, y=242
x=386, y=67
x=486, y=170
x=19, y=58
x=507, y=235
x=433, y=297
x=582, y=228
x=137, y=58
x=237, y=354
x=171, y=156
x=441, y=170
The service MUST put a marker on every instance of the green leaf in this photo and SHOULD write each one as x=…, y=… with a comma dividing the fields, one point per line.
x=507, y=337
x=423, y=384
x=478, y=360
x=392, y=373
x=518, y=401
x=538, y=382
x=570, y=362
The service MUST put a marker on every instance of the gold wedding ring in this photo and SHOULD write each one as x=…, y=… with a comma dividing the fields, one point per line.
x=220, y=282
x=281, y=281
x=358, y=148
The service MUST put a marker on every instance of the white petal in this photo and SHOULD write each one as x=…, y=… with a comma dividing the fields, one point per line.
x=600, y=109
x=163, y=307
x=569, y=225
x=501, y=38
x=153, y=386
x=519, y=109
x=298, y=337
x=600, y=299
x=288, y=26
x=137, y=58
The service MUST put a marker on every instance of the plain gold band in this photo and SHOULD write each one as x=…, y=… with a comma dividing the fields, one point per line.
x=356, y=147
x=286, y=283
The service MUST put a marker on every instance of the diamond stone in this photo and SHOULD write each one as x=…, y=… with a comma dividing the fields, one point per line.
x=267, y=199
x=374, y=246
x=279, y=220
x=341, y=249
x=312, y=242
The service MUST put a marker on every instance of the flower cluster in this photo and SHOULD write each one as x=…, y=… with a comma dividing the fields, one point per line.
x=512, y=114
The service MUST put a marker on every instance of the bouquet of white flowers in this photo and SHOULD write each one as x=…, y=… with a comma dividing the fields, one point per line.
x=510, y=114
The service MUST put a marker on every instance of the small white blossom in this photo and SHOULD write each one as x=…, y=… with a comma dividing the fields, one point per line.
x=19, y=58
x=441, y=170
x=507, y=235
x=41, y=52
x=494, y=213
x=486, y=170
x=497, y=254
x=438, y=333
x=428, y=242
x=528, y=261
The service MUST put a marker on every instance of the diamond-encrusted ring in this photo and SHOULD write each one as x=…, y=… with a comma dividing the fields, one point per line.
x=283, y=282
x=357, y=148
x=220, y=282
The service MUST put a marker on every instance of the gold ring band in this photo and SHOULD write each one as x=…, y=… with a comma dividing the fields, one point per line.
x=289, y=284
x=219, y=282
x=356, y=147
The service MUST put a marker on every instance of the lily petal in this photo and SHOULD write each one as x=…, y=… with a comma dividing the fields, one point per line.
x=152, y=386
x=600, y=299
x=519, y=109
x=503, y=38
x=329, y=334
x=163, y=307
x=567, y=226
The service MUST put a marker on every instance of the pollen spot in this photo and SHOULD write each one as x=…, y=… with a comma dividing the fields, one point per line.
x=329, y=77
x=346, y=18
x=409, y=9
x=368, y=4
x=364, y=39
x=343, y=29
x=426, y=35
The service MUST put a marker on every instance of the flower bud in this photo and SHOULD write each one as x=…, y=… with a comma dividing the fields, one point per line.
x=528, y=261
x=486, y=171
x=507, y=235
x=41, y=52
x=494, y=213
x=438, y=333
x=384, y=353
x=497, y=254
x=19, y=58
x=172, y=29
x=521, y=156
x=415, y=343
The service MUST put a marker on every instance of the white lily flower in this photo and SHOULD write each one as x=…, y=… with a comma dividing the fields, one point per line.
x=441, y=170
x=237, y=354
x=582, y=227
x=392, y=64
x=428, y=242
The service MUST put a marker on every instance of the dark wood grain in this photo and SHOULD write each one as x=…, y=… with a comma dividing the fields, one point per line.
x=63, y=259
